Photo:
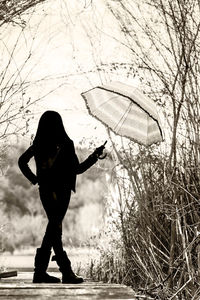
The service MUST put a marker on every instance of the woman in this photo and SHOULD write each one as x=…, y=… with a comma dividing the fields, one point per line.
x=56, y=168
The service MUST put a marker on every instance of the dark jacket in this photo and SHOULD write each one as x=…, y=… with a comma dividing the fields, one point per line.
x=57, y=171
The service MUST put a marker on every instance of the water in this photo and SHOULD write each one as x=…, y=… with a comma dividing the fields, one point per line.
x=24, y=260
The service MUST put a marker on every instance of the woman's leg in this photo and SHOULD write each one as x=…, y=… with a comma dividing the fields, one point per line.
x=55, y=208
x=53, y=236
x=41, y=264
x=55, y=204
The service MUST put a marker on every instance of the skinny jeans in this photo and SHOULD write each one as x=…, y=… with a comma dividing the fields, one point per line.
x=55, y=202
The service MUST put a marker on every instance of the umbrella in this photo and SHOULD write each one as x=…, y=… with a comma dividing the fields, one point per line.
x=126, y=111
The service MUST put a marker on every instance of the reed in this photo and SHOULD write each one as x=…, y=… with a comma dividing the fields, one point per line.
x=157, y=224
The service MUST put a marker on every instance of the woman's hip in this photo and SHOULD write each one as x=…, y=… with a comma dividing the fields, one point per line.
x=55, y=201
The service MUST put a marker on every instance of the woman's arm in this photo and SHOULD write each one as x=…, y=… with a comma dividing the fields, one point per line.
x=86, y=164
x=23, y=165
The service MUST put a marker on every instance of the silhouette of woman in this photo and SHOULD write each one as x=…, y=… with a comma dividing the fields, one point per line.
x=56, y=168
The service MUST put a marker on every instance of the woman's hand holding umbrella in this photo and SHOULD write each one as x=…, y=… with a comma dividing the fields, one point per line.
x=99, y=151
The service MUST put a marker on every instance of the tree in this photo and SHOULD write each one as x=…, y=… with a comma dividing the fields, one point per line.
x=19, y=88
x=12, y=11
x=12, y=83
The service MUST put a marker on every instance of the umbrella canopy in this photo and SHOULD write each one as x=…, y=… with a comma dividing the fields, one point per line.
x=126, y=111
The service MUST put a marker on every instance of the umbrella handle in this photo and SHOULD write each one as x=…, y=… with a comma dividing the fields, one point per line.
x=102, y=157
x=100, y=149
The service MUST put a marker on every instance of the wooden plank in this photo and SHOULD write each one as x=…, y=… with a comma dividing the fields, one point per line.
x=8, y=274
x=65, y=294
x=23, y=288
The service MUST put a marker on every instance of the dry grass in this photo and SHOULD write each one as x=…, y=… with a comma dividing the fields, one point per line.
x=158, y=221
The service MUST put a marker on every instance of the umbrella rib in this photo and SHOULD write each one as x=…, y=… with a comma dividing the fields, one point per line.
x=106, y=102
x=123, y=118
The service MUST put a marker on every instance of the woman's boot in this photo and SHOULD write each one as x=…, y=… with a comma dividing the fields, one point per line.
x=41, y=263
x=64, y=264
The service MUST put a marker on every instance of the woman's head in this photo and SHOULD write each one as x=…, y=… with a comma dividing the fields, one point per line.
x=50, y=129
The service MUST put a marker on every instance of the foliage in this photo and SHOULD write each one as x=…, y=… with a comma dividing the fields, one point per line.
x=20, y=232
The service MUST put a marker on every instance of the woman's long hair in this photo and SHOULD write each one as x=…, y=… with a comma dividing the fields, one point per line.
x=50, y=133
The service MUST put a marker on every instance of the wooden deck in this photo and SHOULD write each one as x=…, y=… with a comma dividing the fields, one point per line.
x=21, y=287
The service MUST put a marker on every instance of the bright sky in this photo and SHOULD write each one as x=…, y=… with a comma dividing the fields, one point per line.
x=67, y=39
